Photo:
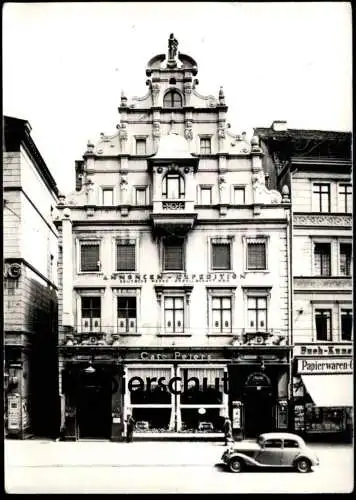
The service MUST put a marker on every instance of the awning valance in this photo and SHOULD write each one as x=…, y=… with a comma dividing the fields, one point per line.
x=330, y=390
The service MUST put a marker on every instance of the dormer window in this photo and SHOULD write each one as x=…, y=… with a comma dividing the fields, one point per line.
x=172, y=99
x=173, y=187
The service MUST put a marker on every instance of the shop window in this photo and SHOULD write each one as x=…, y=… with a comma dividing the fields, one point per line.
x=346, y=325
x=257, y=313
x=108, y=197
x=256, y=255
x=125, y=255
x=345, y=198
x=89, y=256
x=174, y=314
x=126, y=314
x=140, y=146
x=221, y=314
x=202, y=386
x=173, y=254
x=152, y=419
x=205, y=146
x=145, y=389
x=273, y=443
x=140, y=196
x=323, y=324
x=345, y=259
x=321, y=197
x=193, y=421
x=205, y=195
x=323, y=420
x=173, y=187
x=322, y=259
x=172, y=99
x=91, y=314
x=221, y=258
x=239, y=195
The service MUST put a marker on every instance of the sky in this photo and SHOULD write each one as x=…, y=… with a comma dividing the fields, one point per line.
x=65, y=65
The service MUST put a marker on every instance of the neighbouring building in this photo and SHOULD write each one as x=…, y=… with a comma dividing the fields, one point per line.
x=30, y=286
x=316, y=166
x=173, y=262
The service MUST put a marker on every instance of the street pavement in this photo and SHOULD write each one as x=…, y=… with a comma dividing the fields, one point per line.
x=35, y=466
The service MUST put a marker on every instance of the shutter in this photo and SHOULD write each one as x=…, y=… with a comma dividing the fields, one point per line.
x=90, y=257
x=125, y=257
x=256, y=257
x=221, y=256
x=173, y=256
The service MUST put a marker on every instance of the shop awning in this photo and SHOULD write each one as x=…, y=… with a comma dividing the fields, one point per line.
x=330, y=390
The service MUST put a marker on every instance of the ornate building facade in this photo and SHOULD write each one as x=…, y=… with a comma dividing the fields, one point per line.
x=173, y=265
x=316, y=166
x=30, y=286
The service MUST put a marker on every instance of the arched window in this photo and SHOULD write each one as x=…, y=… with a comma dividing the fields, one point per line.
x=172, y=99
x=173, y=187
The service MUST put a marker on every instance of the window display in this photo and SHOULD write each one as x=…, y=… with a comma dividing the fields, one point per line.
x=152, y=419
x=208, y=421
x=324, y=419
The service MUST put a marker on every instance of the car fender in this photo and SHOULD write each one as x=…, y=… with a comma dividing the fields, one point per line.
x=303, y=455
x=246, y=459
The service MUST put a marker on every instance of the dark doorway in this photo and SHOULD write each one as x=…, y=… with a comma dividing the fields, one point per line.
x=94, y=405
x=258, y=406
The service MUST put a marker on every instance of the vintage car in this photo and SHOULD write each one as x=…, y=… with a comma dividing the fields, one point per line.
x=274, y=449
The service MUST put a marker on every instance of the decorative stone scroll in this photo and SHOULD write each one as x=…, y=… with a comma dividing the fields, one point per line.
x=322, y=220
x=262, y=195
x=173, y=205
x=327, y=283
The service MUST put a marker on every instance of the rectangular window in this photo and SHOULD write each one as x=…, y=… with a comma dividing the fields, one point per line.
x=221, y=256
x=205, y=146
x=173, y=255
x=345, y=259
x=256, y=255
x=174, y=314
x=321, y=195
x=90, y=257
x=91, y=314
x=346, y=324
x=140, y=146
x=221, y=314
x=322, y=259
x=141, y=196
x=257, y=313
x=125, y=256
x=239, y=196
x=108, y=197
x=323, y=324
x=126, y=314
x=205, y=195
x=345, y=198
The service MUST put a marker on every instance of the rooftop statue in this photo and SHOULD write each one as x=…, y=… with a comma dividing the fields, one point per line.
x=172, y=47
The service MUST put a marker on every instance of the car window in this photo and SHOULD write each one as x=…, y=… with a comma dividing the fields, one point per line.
x=273, y=443
x=290, y=443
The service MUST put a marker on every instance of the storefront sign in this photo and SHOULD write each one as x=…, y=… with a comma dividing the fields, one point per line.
x=174, y=278
x=322, y=350
x=322, y=365
x=14, y=412
x=175, y=355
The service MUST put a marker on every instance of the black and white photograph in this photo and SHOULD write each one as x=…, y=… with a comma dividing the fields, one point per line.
x=177, y=248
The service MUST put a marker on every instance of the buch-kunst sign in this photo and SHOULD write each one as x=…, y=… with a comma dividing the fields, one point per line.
x=322, y=365
x=322, y=350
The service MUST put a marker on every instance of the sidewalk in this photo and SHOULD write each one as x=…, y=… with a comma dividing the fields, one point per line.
x=35, y=453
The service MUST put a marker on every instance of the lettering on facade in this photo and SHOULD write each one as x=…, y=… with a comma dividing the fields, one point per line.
x=323, y=350
x=322, y=365
x=125, y=278
x=176, y=355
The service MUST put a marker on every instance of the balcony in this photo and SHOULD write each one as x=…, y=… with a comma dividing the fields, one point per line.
x=175, y=216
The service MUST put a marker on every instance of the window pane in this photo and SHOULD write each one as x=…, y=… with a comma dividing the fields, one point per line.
x=252, y=303
x=262, y=320
x=206, y=196
x=172, y=100
x=168, y=303
x=108, y=197
x=125, y=257
x=345, y=259
x=168, y=320
x=179, y=321
x=226, y=303
x=216, y=318
x=251, y=318
x=226, y=320
x=140, y=146
x=322, y=259
x=345, y=197
x=205, y=146
x=140, y=196
x=239, y=196
x=323, y=324
x=346, y=324
x=216, y=302
x=321, y=197
x=91, y=307
x=178, y=302
x=221, y=256
x=256, y=256
x=90, y=257
x=173, y=256
x=262, y=303
x=273, y=443
x=290, y=443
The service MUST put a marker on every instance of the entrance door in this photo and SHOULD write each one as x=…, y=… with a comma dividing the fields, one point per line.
x=258, y=412
x=94, y=408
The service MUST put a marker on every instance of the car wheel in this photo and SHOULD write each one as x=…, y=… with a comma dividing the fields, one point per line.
x=303, y=465
x=235, y=465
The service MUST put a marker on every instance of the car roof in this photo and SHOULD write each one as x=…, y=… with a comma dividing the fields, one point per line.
x=281, y=435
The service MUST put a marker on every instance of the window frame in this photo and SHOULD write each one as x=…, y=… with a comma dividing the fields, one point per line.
x=316, y=309
x=219, y=292
x=344, y=308
x=170, y=93
x=317, y=201
x=162, y=255
x=322, y=242
x=253, y=292
x=212, y=240
x=87, y=292
x=107, y=188
x=163, y=292
x=235, y=187
x=126, y=292
x=128, y=241
x=205, y=187
x=181, y=190
x=343, y=205
x=142, y=189
x=273, y=447
x=206, y=151
x=262, y=238
x=80, y=242
x=344, y=242
x=140, y=140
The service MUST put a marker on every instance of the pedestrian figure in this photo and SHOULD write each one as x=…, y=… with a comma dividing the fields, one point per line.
x=130, y=426
x=228, y=431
